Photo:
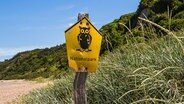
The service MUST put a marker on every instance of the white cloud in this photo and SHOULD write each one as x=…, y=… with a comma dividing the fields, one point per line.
x=12, y=51
x=70, y=24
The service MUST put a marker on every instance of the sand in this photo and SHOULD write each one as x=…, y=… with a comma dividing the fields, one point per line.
x=12, y=89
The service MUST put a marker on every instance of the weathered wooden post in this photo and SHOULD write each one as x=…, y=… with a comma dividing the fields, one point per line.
x=83, y=42
x=80, y=78
x=79, y=88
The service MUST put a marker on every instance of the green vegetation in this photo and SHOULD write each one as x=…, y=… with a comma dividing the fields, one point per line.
x=138, y=72
x=46, y=63
x=140, y=63
x=167, y=13
x=52, y=63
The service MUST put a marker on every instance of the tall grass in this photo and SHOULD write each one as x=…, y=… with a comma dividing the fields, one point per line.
x=137, y=73
x=140, y=73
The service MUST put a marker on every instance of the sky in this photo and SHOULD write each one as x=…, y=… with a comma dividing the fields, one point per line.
x=31, y=24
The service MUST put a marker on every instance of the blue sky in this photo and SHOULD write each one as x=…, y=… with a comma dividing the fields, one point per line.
x=30, y=24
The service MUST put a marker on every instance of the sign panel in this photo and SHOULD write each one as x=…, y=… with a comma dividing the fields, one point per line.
x=83, y=42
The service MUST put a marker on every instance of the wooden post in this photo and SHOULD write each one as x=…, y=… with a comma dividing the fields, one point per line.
x=80, y=78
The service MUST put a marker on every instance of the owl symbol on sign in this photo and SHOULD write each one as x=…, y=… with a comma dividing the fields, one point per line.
x=84, y=38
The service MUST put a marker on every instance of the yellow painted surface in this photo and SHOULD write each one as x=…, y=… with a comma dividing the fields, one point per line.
x=78, y=55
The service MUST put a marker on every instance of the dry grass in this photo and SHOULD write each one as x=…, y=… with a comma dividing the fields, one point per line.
x=136, y=73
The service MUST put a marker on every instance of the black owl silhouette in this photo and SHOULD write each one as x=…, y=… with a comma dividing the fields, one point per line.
x=84, y=39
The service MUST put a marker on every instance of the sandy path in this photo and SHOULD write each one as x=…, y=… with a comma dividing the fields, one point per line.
x=11, y=89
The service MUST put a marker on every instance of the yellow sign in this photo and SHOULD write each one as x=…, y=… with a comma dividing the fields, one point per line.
x=83, y=42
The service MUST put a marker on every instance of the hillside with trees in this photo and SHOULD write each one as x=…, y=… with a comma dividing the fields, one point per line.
x=52, y=62
x=141, y=61
x=166, y=13
x=46, y=63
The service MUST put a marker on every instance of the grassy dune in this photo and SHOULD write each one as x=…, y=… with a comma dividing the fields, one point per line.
x=138, y=73
x=145, y=65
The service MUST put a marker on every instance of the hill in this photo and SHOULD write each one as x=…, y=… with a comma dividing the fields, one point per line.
x=167, y=13
x=52, y=62
x=140, y=62
x=48, y=62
